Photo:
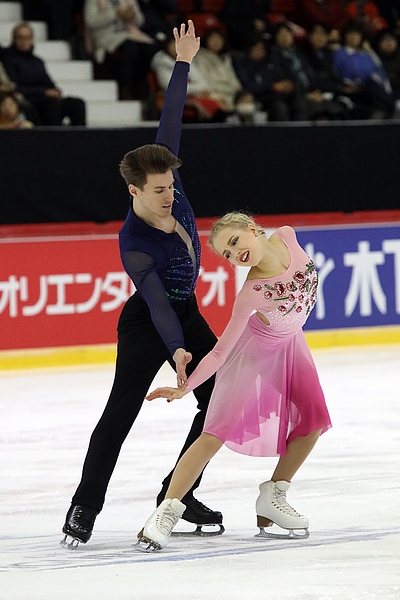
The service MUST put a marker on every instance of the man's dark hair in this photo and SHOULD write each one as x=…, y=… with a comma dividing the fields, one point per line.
x=151, y=159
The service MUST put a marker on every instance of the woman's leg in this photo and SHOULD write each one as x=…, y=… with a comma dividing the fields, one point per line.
x=201, y=340
x=271, y=505
x=191, y=465
x=296, y=453
x=157, y=530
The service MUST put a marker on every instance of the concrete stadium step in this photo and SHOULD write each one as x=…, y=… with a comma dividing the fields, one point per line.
x=123, y=113
x=10, y=11
x=71, y=70
x=6, y=27
x=91, y=90
x=53, y=50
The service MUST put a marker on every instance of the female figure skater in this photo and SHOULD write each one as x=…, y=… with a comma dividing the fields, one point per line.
x=267, y=400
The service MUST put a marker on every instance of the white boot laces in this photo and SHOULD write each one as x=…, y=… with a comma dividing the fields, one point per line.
x=280, y=502
x=166, y=520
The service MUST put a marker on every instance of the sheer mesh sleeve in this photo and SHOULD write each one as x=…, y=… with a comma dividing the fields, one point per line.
x=242, y=310
x=141, y=269
x=170, y=127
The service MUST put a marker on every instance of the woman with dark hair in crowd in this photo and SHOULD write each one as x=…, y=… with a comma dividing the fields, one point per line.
x=11, y=116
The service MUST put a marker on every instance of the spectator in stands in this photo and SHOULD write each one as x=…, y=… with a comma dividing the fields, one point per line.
x=322, y=72
x=116, y=31
x=214, y=61
x=29, y=73
x=387, y=47
x=243, y=18
x=11, y=116
x=367, y=15
x=304, y=101
x=246, y=111
x=357, y=63
x=6, y=85
x=199, y=97
x=258, y=76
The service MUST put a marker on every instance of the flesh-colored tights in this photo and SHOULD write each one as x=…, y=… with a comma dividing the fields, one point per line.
x=206, y=446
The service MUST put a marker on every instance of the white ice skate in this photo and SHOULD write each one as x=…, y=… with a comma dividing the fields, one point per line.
x=157, y=530
x=272, y=507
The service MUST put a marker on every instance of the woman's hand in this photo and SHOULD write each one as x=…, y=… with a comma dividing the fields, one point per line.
x=169, y=393
x=186, y=44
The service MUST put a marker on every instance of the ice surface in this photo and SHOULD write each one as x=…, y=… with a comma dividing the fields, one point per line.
x=348, y=488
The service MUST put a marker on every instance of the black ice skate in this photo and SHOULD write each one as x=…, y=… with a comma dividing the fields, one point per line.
x=200, y=515
x=78, y=526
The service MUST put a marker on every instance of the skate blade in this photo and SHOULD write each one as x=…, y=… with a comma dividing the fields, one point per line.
x=145, y=545
x=72, y=545
x=291, y=535
x=199, y=532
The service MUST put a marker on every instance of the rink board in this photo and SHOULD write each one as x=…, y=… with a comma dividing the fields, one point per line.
x=62, y=287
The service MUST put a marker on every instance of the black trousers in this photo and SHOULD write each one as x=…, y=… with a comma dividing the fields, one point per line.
x=141, y=353
x=52, y=111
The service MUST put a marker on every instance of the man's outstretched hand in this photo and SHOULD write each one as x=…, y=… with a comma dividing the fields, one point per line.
x=181, y=358
x=186, y=43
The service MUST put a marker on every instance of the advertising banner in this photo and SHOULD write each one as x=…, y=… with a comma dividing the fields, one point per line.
x=59, y=291
x=68, y=290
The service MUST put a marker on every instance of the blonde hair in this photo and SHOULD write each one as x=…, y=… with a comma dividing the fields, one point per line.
x=237, y=220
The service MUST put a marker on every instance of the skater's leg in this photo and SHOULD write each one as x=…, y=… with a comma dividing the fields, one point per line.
x=194, y=433
x=271, y=505
x=158, y=527
x=199, y=341
x=125, y=401
x=296, y=453
x=308, y=399
x=192, y=464
x=141, y=353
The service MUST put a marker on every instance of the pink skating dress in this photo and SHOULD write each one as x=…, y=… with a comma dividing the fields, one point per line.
x=267, y=390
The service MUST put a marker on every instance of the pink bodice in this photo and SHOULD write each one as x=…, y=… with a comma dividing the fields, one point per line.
x=285, y=300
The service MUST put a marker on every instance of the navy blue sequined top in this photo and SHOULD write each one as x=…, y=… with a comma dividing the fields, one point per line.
x=159, y=263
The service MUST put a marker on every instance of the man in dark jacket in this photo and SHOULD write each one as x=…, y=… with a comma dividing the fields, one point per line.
x=30, y=75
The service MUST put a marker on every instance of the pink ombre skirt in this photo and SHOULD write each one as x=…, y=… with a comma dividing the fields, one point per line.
x=267, y=393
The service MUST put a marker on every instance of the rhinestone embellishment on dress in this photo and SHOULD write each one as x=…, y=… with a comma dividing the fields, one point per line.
x=302, y=291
